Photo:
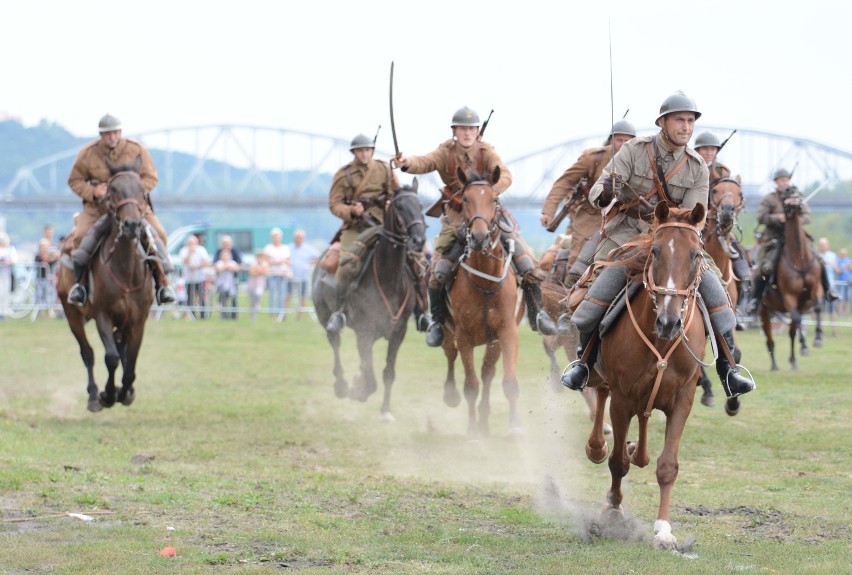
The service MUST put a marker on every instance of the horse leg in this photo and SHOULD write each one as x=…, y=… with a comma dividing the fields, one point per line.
x=766, y=326
x=366, y=384
x=111, y=359
x=489, y=369
x=78, y=328
x=550, y=349
x=818, y=331
x=638, y=452
x=793, y=332
x=619, y=462
x=130, y=353
x=341, y=388
x=471, y=389
x=706, y=385
x=451, y=395
x=667, y=469
x=389, y=373
x=596, y=447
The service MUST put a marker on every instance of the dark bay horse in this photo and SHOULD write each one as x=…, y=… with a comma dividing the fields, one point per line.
x=726, y=202
x=798, y=286
x=382, y=299
x=121, y=290
x=483, y=308
x=650, y=359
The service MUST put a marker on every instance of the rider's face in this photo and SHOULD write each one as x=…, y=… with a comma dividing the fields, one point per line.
x=782, y=183
x=111, y=139
x=465, y=135
x=678, y=127
x=363, y=154
x=618, y=140
x=708, y=153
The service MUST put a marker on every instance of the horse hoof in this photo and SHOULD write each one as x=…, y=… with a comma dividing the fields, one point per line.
x=452, y=398
x=341, y=389
x=358, y=394
x=732, y=406
x=817, y=343
x=610, y=513
x=806, y=351
x=105, y=401
x=95, y=405
x=708, y=400
x=387, y=417
x=597, y=456
x=128, y=397
x=516, y=432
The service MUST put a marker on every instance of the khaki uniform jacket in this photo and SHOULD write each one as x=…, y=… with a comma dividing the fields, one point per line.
x=586, y=166
x=380, y=180
x=687, y=188
x=90, y=167
x=439, y=160
x=769, y=214
x=718, y=170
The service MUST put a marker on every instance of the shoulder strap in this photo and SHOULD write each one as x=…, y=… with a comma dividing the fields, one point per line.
x=363, y=183
x=662, y=179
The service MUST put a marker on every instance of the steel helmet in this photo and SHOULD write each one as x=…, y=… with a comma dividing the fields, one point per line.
x=623, y=127
x=361, y=141
x=781, y=173
x=677, y=102
x=109, y=123
x=465, y=117
x=706, y=139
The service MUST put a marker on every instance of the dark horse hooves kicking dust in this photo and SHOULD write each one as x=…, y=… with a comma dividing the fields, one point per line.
x=121, y=290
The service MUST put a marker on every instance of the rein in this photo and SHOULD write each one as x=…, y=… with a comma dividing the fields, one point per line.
x=494, y=236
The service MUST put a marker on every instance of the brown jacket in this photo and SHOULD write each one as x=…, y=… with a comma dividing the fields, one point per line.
x=439, y=160
x=380, y=179
x=769, y=214
x=589, y=165
x=90, y=167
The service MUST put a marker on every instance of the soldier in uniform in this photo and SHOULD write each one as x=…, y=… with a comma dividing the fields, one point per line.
x=707, y=145
x=358, y=194
x=467, y=151
x=653, y=169
x=770, y=213
x=88, y=179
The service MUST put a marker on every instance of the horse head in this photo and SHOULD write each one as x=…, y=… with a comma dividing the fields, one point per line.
x=480, y=207
x=726, y=202
x=792, y=199
x=125, y=199
x=407, y=221
x=674, y=264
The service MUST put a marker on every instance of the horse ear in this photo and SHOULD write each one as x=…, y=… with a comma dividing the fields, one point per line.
x=461, y=176
x=661, y=212
x=414, y=185
x=495, y=175
x=697, y=215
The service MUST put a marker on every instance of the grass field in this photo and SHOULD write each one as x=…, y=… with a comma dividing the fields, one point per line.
x=237, y=454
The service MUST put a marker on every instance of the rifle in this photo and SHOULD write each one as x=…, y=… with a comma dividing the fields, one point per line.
x=567, y=206
x=726, y=140
x=376, y=137
x=485, y=125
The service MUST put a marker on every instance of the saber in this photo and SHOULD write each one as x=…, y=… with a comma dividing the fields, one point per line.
x=393, y=124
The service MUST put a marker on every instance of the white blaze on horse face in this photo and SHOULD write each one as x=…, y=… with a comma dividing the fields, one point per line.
x=670, y=283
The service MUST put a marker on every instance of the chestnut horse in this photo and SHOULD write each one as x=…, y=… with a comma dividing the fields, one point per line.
x=382, y=299
x=726, y=202
x=797, y=287
x=651, y=356
x=482, y=302
x=121, y=289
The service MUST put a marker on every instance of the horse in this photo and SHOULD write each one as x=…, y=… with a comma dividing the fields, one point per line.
x=651, y=356
x=483, y=304
x=726, y=202
x=381, y=299
x=798, y=285
x=121, y=292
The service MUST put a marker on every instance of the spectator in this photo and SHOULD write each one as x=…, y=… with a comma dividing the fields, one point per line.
x=279, y=272
x=8, y=259
x=304, y=257
x=45, y=293
x=227, y=243
x=195, y=258
x=257, y=281
x=226, y=283
x=54, y=248
x=829, y=260
x=844, y=275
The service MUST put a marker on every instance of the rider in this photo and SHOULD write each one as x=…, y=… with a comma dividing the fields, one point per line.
x=707, y=145
x=358, y=193
x=88, y=179
x=649, y=170
x=573, y=186
x=770, y=213
x=467, y=151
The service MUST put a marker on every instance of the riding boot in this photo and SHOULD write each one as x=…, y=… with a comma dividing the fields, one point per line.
x=539, y=319
x=438, y=306
x=830, y=293
x=83, y=255
x=421, y=318
x=164, y=293
x=337, y=319
x=733, y=382
x=756, y=294
x=576, y=375
x=77, y=294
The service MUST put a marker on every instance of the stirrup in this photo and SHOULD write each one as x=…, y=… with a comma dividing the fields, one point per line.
x=82, y=300
x=166, y=295
x=727, y=386
x=571, y=366
x=438, y=329
x=336, y=322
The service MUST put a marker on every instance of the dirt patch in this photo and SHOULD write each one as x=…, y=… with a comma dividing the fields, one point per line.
x=762, y=523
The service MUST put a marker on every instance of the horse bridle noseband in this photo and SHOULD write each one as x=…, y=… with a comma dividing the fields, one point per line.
x=401, y=238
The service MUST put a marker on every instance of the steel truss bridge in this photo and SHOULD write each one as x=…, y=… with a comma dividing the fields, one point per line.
x=239, y=166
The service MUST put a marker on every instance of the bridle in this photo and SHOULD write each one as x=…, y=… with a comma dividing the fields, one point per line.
x=396, y=230
x=114, y=207
x=488, y=247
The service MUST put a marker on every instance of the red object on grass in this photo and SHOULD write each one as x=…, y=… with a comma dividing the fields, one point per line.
x=168, y=552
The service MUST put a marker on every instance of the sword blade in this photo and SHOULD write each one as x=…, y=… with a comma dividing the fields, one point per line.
x=393, y=124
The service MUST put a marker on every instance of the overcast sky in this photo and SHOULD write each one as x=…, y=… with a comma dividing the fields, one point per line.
x=323, y=67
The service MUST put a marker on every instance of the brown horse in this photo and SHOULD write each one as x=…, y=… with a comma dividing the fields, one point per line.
x=121, y=290
x=798, y=286
x=650, y=359
x=726, y=202
x=483, y=300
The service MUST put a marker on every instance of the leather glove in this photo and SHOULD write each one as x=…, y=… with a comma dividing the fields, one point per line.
x=607, y=193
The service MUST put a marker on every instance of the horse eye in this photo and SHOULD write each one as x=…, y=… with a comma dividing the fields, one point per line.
x=694, y=254
x=655, y=251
